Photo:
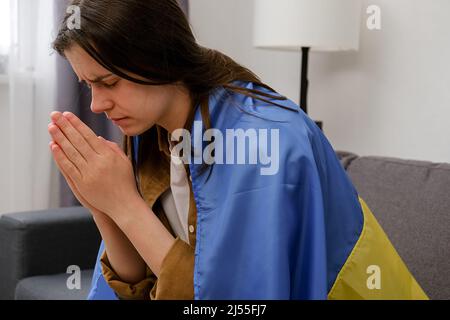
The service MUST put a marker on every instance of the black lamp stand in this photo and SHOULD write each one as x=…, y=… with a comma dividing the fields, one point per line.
x=304, y=82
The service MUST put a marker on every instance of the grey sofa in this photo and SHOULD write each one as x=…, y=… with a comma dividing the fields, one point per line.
x=409, y=199
x=36, y=248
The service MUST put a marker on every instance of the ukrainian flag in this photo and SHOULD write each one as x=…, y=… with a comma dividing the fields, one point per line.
x=374, y=270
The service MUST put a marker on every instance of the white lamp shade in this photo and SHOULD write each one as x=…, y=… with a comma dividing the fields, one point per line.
x=322, y=25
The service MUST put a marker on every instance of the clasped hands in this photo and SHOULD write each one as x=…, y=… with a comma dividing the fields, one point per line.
x=97, y=170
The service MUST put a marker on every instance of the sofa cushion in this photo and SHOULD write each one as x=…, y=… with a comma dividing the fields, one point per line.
x=411, y=201
x=53, y=287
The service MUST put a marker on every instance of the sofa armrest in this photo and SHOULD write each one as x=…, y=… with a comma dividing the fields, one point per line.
x=45, y=242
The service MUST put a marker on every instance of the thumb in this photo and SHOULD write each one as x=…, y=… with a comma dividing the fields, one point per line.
x=115, y=147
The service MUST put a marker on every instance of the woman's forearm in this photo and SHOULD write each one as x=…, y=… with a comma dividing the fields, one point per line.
x=146, y=232
x=123, y=257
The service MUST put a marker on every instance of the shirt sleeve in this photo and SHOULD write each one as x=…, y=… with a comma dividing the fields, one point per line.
x=176, y=278
x=124, y=290
x=175, y=282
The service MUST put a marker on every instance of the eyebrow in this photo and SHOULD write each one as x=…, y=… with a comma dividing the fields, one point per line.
x=98, y=79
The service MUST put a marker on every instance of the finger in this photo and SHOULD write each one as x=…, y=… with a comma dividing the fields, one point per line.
x=63, y=163
x=86, y=132
x=61, y=169
x=69, y=150
x=73, y=135
x=73, y=187
x=115, y=148
x=64, y=174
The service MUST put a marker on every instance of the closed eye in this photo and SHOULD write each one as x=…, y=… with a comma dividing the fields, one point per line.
x=109, y=86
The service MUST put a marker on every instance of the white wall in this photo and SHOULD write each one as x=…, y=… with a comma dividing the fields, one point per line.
x=391, y=98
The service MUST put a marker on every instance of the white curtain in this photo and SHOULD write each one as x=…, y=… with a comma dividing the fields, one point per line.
x=31, y=174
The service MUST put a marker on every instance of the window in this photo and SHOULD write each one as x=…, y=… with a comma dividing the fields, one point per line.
x=5, y=34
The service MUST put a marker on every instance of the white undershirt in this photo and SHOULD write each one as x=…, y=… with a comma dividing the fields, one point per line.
x=175, y=200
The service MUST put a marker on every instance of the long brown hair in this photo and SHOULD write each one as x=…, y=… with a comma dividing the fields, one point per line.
x=153, y=39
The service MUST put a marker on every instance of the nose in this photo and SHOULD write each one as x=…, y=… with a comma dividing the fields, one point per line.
x=100, y=101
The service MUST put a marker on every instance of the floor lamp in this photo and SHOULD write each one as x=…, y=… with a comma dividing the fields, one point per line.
x=307, y=25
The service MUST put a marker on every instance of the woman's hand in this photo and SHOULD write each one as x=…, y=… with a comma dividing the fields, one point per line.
x=72, y=186
x=96, y=214
x=97, y=170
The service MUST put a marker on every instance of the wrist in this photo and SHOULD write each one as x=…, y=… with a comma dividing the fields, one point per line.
x=100, y=218
x=132, y=212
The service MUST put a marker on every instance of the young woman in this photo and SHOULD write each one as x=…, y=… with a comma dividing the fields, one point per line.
x=224, y=189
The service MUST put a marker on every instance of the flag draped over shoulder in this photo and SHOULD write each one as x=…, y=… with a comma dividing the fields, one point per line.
x=298, y=231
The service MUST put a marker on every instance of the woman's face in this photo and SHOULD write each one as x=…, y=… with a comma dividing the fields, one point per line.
x=136, y=107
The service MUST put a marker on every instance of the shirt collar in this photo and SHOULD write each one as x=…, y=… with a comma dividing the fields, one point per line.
x=154, y=174
x=163, y=140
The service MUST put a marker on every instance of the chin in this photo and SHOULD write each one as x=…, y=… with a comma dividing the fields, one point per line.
x=132, y=130
x=128, y=131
